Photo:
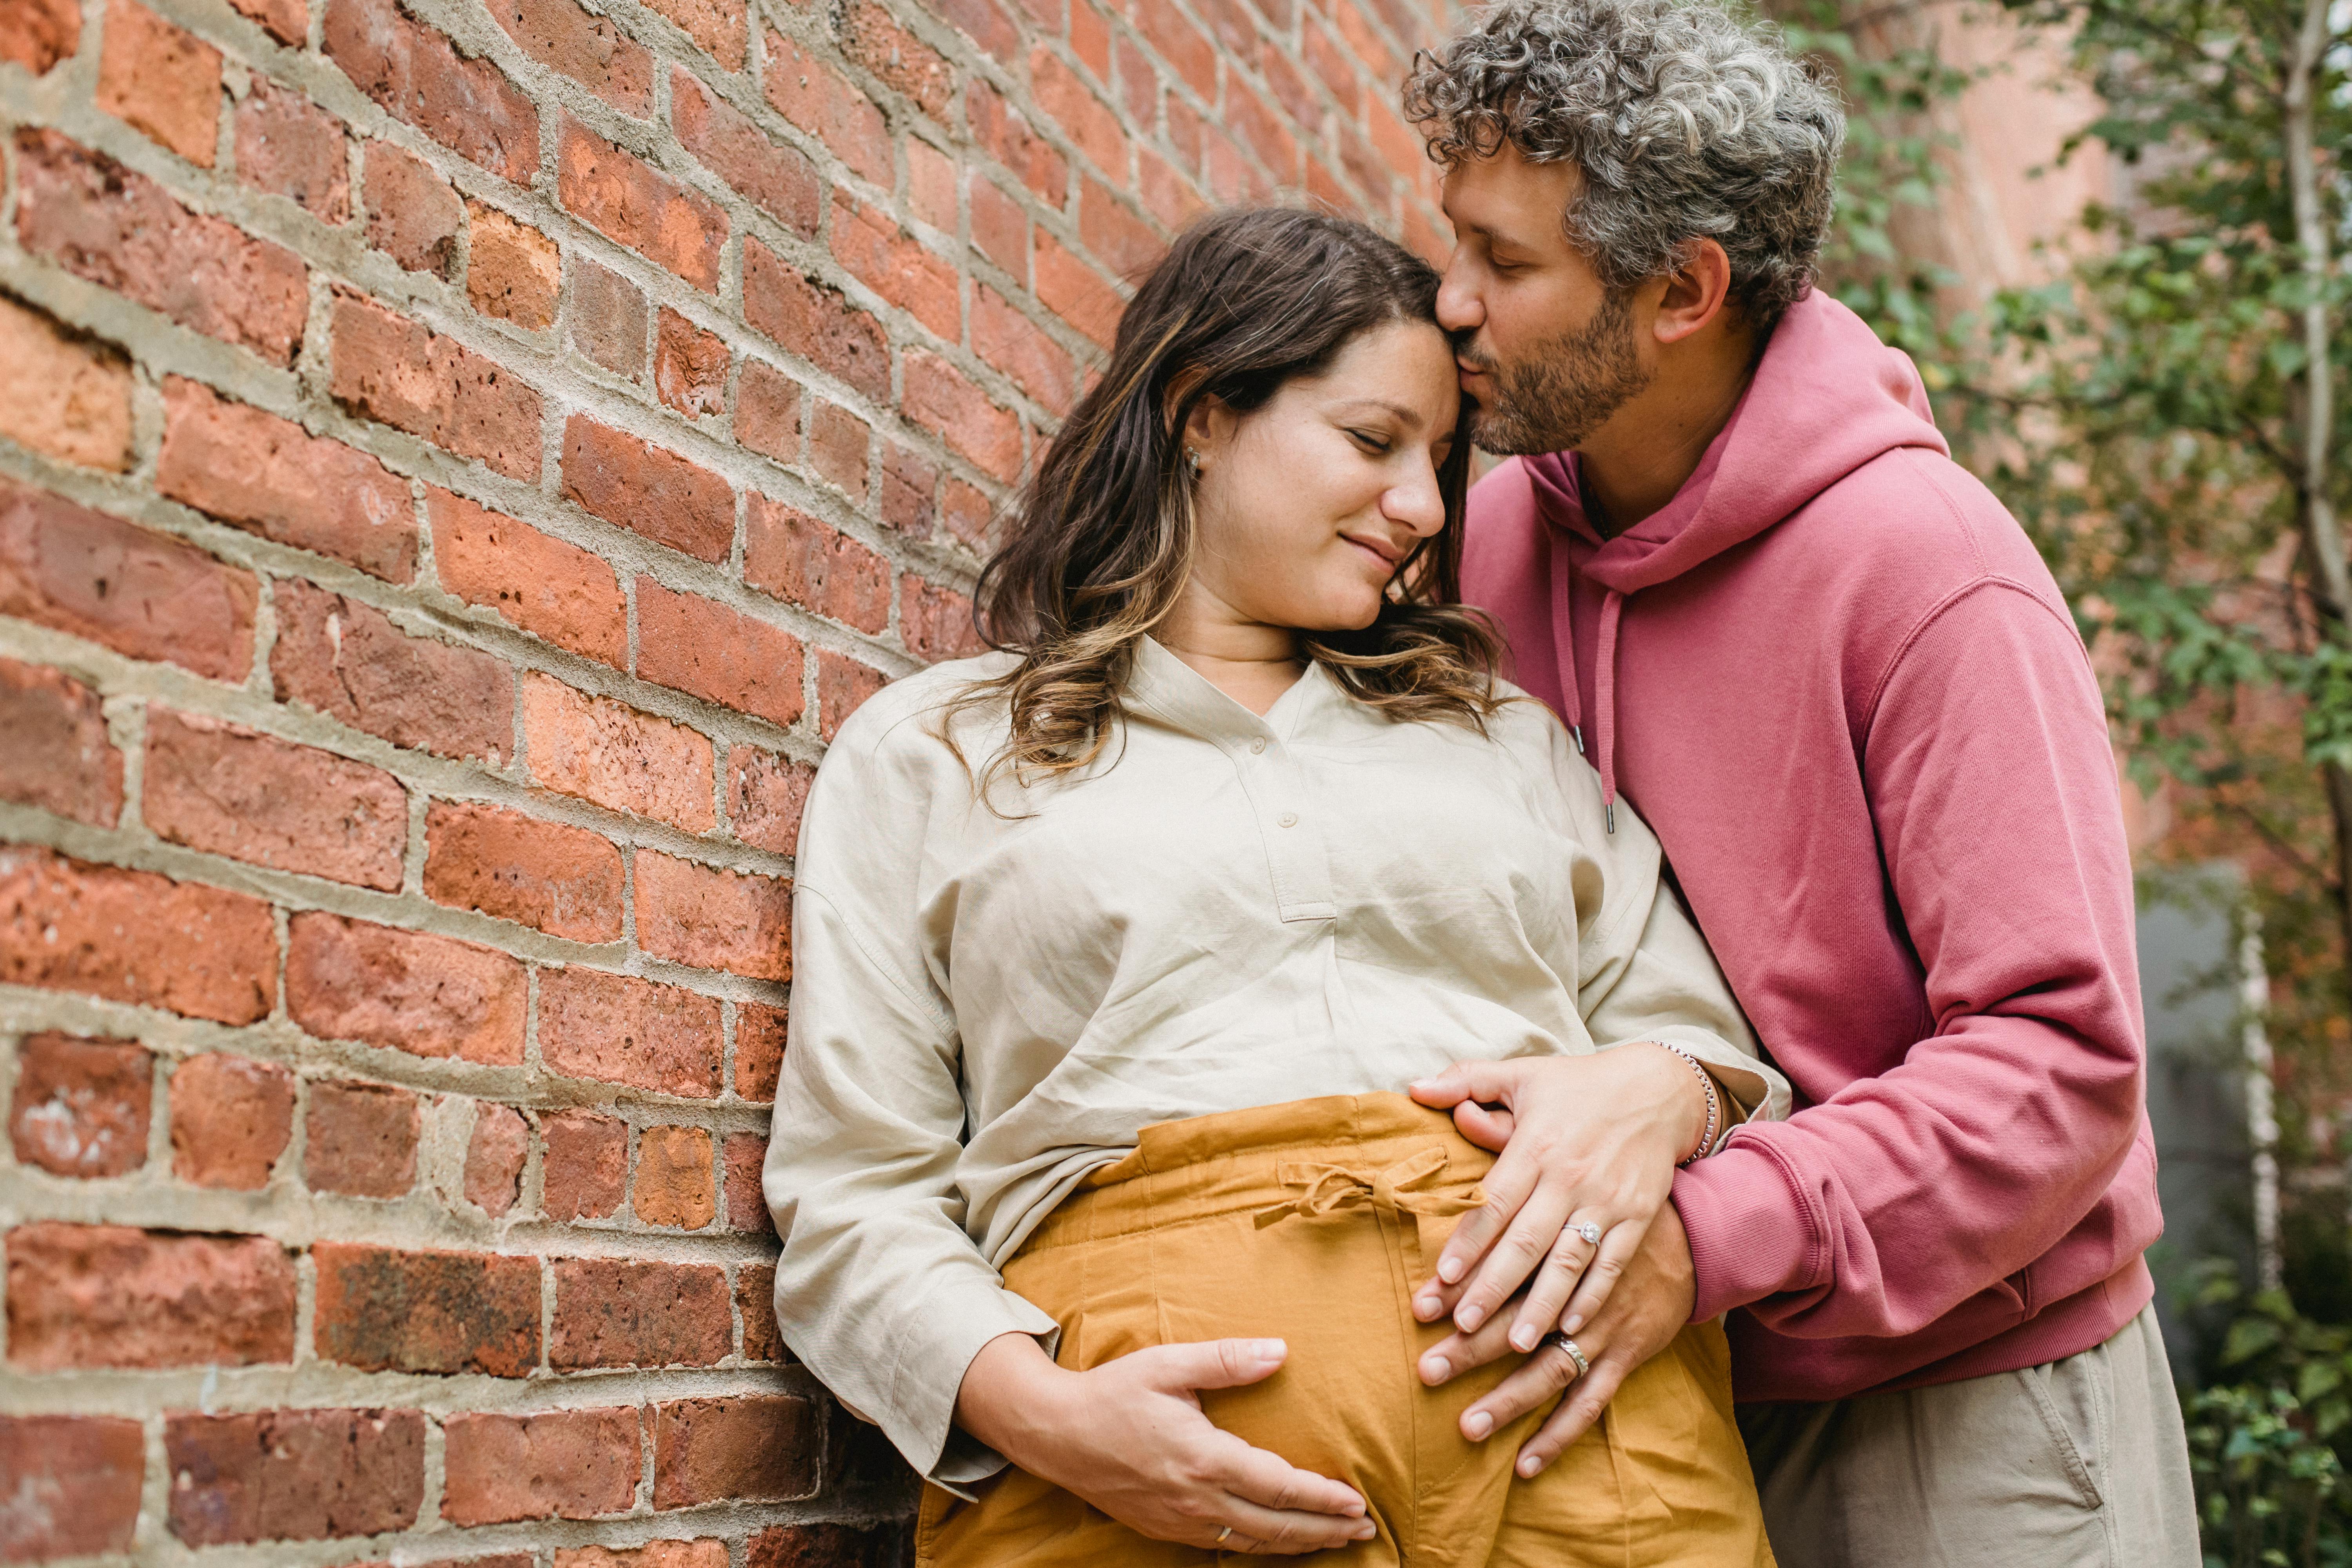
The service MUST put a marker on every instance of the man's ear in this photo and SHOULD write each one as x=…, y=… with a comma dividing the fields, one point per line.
x=1698, y=291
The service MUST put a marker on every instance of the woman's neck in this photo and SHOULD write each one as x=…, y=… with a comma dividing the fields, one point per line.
x=1249, y=661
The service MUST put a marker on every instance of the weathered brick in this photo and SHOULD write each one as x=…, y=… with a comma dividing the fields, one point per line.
x=57, y=757
x=389, y=368
x=1183, y=46
x=614, y=1312
x=983, y=22
x=616, y=756
x=513, y=271
x=162, y=82
x=901, y=60
x=110, y=1295
x=558, y=590
x=1076, y=292
x=564, y=881
x=760, y=1447
x=714, y=918
x=288, y=21
x=620, y=1029
x=935, y=622
x=755, y=1299
x=122, y=231
x=74, y=1481
x=759, y=1035
x=583, y=1164
x=648, y=212
x=289, y=147
x=1014, y=344
x=567, y=1464
x=815, y=321
x=718, y=27
x=896, y=265
x=133, y=936
x=1000, y=229
x=80, y=1108
x=495, y=1152
x=911, y=483
x=689, y=366
x=381, y=1310
x=653, y=491
x=768, y=411
x=37, y=34
x=842, y=685
x=360, y=1139
x=65, y=394
x=822, y=103
x=765, y=794
x=885, y=1545
x=608, y=319
x=347, y=659
x=414, y=215
x=803, y=560
x=939, y=398
x=466, y=105
x=777, y=179
x=709, y=1553
x=217, y=787
x=231, y=1118
x=930, y=185
x=1064, y=97
x=747, y=1206
x=837, y=445
x=718, y=654
x=1007, y=137
x=968, y=513
x=293, y=1475
x=267, y=476
x=142, y=594
x=590, y=49
x=674, y=1183
x=404, y=990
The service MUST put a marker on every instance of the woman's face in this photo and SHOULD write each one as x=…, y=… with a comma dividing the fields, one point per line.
x=1307, y=505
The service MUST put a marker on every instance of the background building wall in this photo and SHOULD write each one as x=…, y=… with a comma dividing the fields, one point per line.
x=458, y=462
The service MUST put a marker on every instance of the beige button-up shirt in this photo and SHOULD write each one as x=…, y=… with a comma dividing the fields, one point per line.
x=1232, y=911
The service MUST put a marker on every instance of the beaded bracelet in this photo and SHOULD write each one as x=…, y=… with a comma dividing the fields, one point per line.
x=1713, y=1103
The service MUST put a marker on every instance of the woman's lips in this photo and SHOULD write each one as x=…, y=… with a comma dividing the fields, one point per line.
x=1388, y=561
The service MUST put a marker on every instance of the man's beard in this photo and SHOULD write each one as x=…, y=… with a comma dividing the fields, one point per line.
x=1563, y=391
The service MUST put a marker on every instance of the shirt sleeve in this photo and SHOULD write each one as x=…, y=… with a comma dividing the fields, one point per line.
x=878, y=1291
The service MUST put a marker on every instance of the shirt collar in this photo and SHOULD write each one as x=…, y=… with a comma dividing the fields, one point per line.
x=1183, y=697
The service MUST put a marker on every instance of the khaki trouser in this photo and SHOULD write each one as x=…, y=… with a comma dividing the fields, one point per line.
x=2081, y=1463
x=1311, y=1223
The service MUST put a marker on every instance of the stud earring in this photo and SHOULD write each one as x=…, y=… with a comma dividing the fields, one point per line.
x=1193, y=461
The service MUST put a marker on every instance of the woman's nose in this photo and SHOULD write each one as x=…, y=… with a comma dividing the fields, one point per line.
x=1417, y=504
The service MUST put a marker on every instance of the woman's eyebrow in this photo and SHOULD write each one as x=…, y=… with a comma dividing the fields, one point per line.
x=1410, y=419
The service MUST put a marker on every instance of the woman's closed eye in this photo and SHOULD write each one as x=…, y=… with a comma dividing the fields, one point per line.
x=1373, y=442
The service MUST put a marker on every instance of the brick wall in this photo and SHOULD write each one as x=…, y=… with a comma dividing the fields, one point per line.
x=458, y=462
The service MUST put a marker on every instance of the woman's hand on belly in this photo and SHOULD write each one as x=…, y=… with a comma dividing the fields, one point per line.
x=1130, y=1436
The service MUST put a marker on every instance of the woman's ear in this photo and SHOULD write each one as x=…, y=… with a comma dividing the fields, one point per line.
x=1208, y=429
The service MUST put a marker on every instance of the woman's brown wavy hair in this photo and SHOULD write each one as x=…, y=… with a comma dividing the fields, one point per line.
x=1101, y=540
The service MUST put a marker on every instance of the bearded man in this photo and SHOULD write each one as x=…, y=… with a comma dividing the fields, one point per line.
x=1730, y=548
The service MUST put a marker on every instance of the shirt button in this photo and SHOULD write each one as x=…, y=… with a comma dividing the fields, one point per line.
x=1257, y=746
x=1288, y=819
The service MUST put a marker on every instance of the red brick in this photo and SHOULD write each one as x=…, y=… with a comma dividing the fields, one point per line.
x=231, y=1118
x=815, y=322
x=969, y=514
x=1112, y=231
x=842, y=686
x=1088, y=121
x=935, y=622
x=288, y=146
x=718, y=27
x=293, y=1475
x=360, y=1139
x=804, y=562
x=674, y=1185
x=108, y=1295
x=67, y=393
x=755, y=1298
x=288, y=21
x=645, y=489
x=556, y=591
x=495, y=1155
x=74, y=1480
x=1014, y=344
x=689, y=366
x=649, y=213
x=714, y=918
x=611, y=1312
x=413, y=215
x=135, y=937
x=608, y=319
x=162, y=80
x=1076, y=292
x=1262, y=129
x=347, y=659
x=930, y=185
x=821, y=101
x=57, y=757
x=896, y=265
x=122, y=231
x=831, y=1546
x=391, y=369
x=982, y=21
x=585, y=1164
x=513, y=270
x=757, y=1448
x=776, y=178
x=1335, y=65
x=760, y=1046
x=81, y=1107
x=837, y=443
x=1180, y=43
x=567, y=1464
x=1166, y=194
x=415, y=73
x=747, y=1207
x=897, y=58
x=939, y=399
x=37, y=34
x=1000, y=229
x=267, y=476
x=619, y=1030
x=378, y=1310
x=605, y=751
x=217, y=787
x=718, y=654
x=403, y=990
x=911, y=483
x=588, y=48
x=1090, y=38
x=1139, y=84
x=564, y=881
x=1000, y=130
x=705, y=1554
x=768, y=411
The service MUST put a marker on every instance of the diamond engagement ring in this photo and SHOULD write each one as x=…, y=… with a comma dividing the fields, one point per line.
x=1574, y=1354
x=1590, y=1232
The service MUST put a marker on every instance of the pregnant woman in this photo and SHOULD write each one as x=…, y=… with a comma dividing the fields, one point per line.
x=1114, y=947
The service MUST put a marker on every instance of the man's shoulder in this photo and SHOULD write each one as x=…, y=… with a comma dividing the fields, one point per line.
x=1918, y=509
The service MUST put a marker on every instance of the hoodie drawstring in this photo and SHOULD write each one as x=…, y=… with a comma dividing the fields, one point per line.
x=1605, y=677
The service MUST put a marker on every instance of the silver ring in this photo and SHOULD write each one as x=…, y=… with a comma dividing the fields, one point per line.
x=1221, y=1536
x=1570, y=1345
x=1590, y=1232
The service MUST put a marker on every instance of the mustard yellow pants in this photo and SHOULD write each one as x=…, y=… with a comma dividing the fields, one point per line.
x=1311, y=1223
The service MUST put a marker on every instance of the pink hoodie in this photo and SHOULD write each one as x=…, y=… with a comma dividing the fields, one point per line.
x=1836, y=679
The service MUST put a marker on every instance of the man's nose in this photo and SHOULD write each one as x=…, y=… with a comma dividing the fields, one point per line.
x=1459, y=309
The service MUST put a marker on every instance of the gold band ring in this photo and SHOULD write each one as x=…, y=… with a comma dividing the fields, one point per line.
x=1221, y=1536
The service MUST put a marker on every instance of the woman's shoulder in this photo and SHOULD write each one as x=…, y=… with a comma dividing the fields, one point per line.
x=911, y=714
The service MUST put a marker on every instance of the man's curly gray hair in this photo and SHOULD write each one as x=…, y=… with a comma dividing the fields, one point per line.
x=1683, y=123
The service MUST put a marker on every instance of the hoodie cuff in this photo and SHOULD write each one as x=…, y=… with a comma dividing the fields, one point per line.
x=1751, y=1234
